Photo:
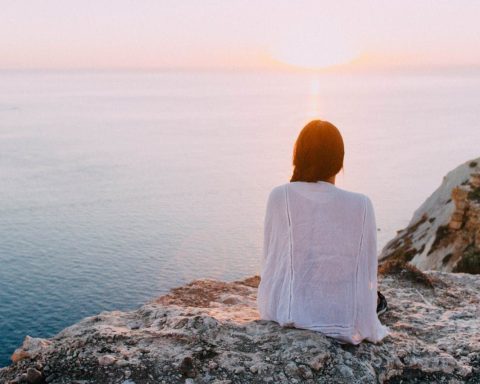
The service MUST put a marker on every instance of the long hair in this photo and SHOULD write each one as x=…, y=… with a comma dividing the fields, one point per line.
x=318, y=152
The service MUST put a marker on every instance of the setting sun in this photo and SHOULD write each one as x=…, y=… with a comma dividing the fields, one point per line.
x=310, y=49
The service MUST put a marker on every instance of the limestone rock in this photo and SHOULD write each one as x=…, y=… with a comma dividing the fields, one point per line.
x=107, y=360
x=193, y=335
x=30, y=349
x=444, y=232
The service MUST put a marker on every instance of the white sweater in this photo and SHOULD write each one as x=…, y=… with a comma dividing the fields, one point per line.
x=319, y=263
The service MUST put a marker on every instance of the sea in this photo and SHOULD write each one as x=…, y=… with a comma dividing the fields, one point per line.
x=116, y=186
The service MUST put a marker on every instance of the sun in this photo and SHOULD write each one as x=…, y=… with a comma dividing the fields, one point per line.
x=313, y=49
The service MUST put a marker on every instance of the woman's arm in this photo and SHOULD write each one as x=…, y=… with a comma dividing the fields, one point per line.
x=267, y=230
x=368, y=324
x=273, y=221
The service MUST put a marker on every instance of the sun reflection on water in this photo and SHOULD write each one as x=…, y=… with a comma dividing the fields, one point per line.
x=314, y=100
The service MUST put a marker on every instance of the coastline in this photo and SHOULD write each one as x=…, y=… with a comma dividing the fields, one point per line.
x=209, y=331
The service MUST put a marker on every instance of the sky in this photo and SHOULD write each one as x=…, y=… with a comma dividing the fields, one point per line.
x=239, y=34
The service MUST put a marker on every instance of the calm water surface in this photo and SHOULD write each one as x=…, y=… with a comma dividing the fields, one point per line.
x=117, y=186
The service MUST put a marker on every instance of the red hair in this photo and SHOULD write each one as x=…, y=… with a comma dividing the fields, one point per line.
x=318, y=152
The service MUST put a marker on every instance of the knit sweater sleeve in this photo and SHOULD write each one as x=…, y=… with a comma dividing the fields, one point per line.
x=274, y=224
x=267, y=230
x=367, y=323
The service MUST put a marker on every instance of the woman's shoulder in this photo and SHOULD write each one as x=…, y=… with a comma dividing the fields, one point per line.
x=354, y=196
x=358, y=199
x=276, y=195
x=277, y=191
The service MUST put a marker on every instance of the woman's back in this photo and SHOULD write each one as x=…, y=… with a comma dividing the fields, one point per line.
x=319, y=266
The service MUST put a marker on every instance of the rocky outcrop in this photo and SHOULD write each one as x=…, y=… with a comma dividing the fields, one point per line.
x=444, y=232
x=209, y=332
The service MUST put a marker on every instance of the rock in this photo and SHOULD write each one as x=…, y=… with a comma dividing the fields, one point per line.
x=345, y=371
x=135, y=324
x=30, y=348
x=444, y=232
x=239, y=370
x=318, y=361
x=34, y=376
x=305, y=372
x=259, y=368
x=190, y=333
x=107, y=360
x=122, y=363
x=291, y=369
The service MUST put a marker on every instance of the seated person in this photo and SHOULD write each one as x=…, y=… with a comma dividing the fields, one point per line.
x=319, y=263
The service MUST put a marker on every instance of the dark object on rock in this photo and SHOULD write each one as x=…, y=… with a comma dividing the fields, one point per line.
x=186, y=367
x=382, y=305
x=34, y=376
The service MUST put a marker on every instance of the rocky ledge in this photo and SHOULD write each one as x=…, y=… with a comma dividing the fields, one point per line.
x=209, y=332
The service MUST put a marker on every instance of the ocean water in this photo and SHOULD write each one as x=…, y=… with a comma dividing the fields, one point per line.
x=117, y=186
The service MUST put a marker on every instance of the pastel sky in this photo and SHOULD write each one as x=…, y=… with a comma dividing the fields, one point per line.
x=238, y=33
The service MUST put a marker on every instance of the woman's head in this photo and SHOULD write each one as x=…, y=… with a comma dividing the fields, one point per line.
x=318, y=152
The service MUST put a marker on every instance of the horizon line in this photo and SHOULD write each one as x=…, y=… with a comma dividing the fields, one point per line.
x=340, y=69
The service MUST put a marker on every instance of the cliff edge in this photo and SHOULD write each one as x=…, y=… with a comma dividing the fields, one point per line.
x=208, y=331
x=444, y=232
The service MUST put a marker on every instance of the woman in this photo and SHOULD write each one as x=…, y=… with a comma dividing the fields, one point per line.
x=319, y=264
